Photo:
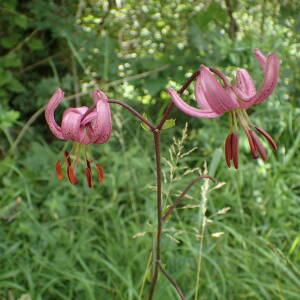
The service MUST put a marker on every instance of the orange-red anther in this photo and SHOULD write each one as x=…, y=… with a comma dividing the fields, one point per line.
x=88, y=174
x=72, y=175
x=100, y=172
x=235, y=149
x=268, y=137
x=58, y=170
x=228, y=149
x=258, y=145
x=255, y=155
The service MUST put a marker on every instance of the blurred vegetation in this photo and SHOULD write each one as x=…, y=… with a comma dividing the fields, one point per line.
x=59, y=241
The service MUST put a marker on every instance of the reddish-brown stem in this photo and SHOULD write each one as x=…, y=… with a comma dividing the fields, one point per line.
x=171, y=105
x=134, y=112
x=156, y=257
x=156, y=134
x=173, y=282
x=184, y=192
x=128, y=107
x=156, y=137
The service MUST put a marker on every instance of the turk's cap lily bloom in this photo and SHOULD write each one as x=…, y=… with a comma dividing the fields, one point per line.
x=215, y=99
x=83, y=125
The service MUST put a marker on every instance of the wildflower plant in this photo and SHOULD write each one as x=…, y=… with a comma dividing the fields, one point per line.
x=84, y=126
x=92, y=125
x=215, y=100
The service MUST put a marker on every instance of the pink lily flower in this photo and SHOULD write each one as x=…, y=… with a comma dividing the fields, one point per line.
x=83, y=125
x=216, y=99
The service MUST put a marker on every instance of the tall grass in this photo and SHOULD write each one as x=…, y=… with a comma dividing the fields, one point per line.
x=59, y=241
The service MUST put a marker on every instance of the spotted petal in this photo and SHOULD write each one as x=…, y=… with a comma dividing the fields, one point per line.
x=245, y=83
x=270, y=78
x=71, y=126
x=199, y=95
x=260, y=57
x=189, y=110
x=271, y=72
x=102, y=125
x=217, y=97
x=54, y=101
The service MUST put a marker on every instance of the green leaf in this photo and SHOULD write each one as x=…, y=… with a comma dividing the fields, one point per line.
x=11, y=5
x=213, y=12
x=235, y=59
x=15, y=85
x=169, y=124
x=144, y=126
x=295, y=243
x=11, y=60
x=75, y=53
x=21, y=21
x=217, y=155
x=35, y=44
x=8, y=41
x=8, y=117
x=216, y=12
x=5, y=77
x=202, y=19
x=153, y=86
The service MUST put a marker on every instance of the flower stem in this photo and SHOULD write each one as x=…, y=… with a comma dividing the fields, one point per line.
x=173, y=282
x=157, y=265
x=157, y=254
x=184, y=192
x=134, y=112
x=171, y=105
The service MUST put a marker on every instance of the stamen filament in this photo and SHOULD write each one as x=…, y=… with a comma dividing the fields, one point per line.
x=67, y=158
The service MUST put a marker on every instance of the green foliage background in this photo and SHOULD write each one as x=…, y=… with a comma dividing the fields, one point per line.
x=59, y=241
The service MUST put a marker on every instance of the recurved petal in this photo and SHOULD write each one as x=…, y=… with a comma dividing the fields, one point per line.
x=101, y=127
x=271, y=72
x=98, y=95
x=89, y=118
x=199, y=95
x=71, y=125
x=270, y=78
x=189, y=110
x=216, y=96
x=49, y=113
x=245, y=83
x=260, y=57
